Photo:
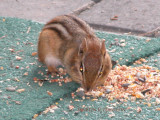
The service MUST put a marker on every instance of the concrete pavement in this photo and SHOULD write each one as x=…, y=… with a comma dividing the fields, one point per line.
x=125, y=16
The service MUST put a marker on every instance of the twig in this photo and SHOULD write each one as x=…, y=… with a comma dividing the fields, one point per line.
x=29, y=28
x=85, y=7
x=153, y=33
x=2, y=37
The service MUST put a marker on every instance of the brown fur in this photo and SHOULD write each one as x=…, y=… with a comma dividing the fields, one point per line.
x=70, y=41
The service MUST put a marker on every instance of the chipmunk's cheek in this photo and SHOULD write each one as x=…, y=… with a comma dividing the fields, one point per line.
x=100, y=82
x=83, y=85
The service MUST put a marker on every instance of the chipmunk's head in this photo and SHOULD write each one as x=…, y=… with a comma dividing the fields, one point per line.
x=95, y=64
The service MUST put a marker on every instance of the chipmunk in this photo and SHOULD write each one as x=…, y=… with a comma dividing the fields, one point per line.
x=69, y=41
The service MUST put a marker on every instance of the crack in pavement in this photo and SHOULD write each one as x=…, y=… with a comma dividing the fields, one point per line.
x=153, y=33
x=115, y=29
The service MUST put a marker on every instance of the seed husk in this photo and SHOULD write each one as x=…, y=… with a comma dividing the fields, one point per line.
x=11, y=89
x=136, y=82
x=18, y=102
x=108, y=91
x=145, y=91
x=20, y=90
x=125, y=85
x=142, y=79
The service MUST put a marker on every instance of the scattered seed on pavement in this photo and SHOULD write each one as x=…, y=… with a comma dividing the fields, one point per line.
x=20, y=90
x=11, y=89
x=49, y=93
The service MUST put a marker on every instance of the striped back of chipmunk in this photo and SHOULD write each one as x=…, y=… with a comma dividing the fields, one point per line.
x=68, y=27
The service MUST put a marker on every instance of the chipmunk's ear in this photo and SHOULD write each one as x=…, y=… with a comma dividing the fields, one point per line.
x=83, y=47
x=103, y=47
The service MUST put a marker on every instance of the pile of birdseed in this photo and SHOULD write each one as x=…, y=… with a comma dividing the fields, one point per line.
x=123, y=83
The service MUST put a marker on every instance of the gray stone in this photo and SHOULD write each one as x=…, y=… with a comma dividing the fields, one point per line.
x=133, y=15
x=41, y=10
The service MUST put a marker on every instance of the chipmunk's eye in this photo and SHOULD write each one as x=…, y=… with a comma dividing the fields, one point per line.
x=100, y=73
x=81, y=68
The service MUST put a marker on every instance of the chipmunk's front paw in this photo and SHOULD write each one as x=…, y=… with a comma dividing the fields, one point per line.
x=52, y=70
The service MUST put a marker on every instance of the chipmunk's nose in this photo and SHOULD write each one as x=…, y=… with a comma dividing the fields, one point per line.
x=88, y=88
